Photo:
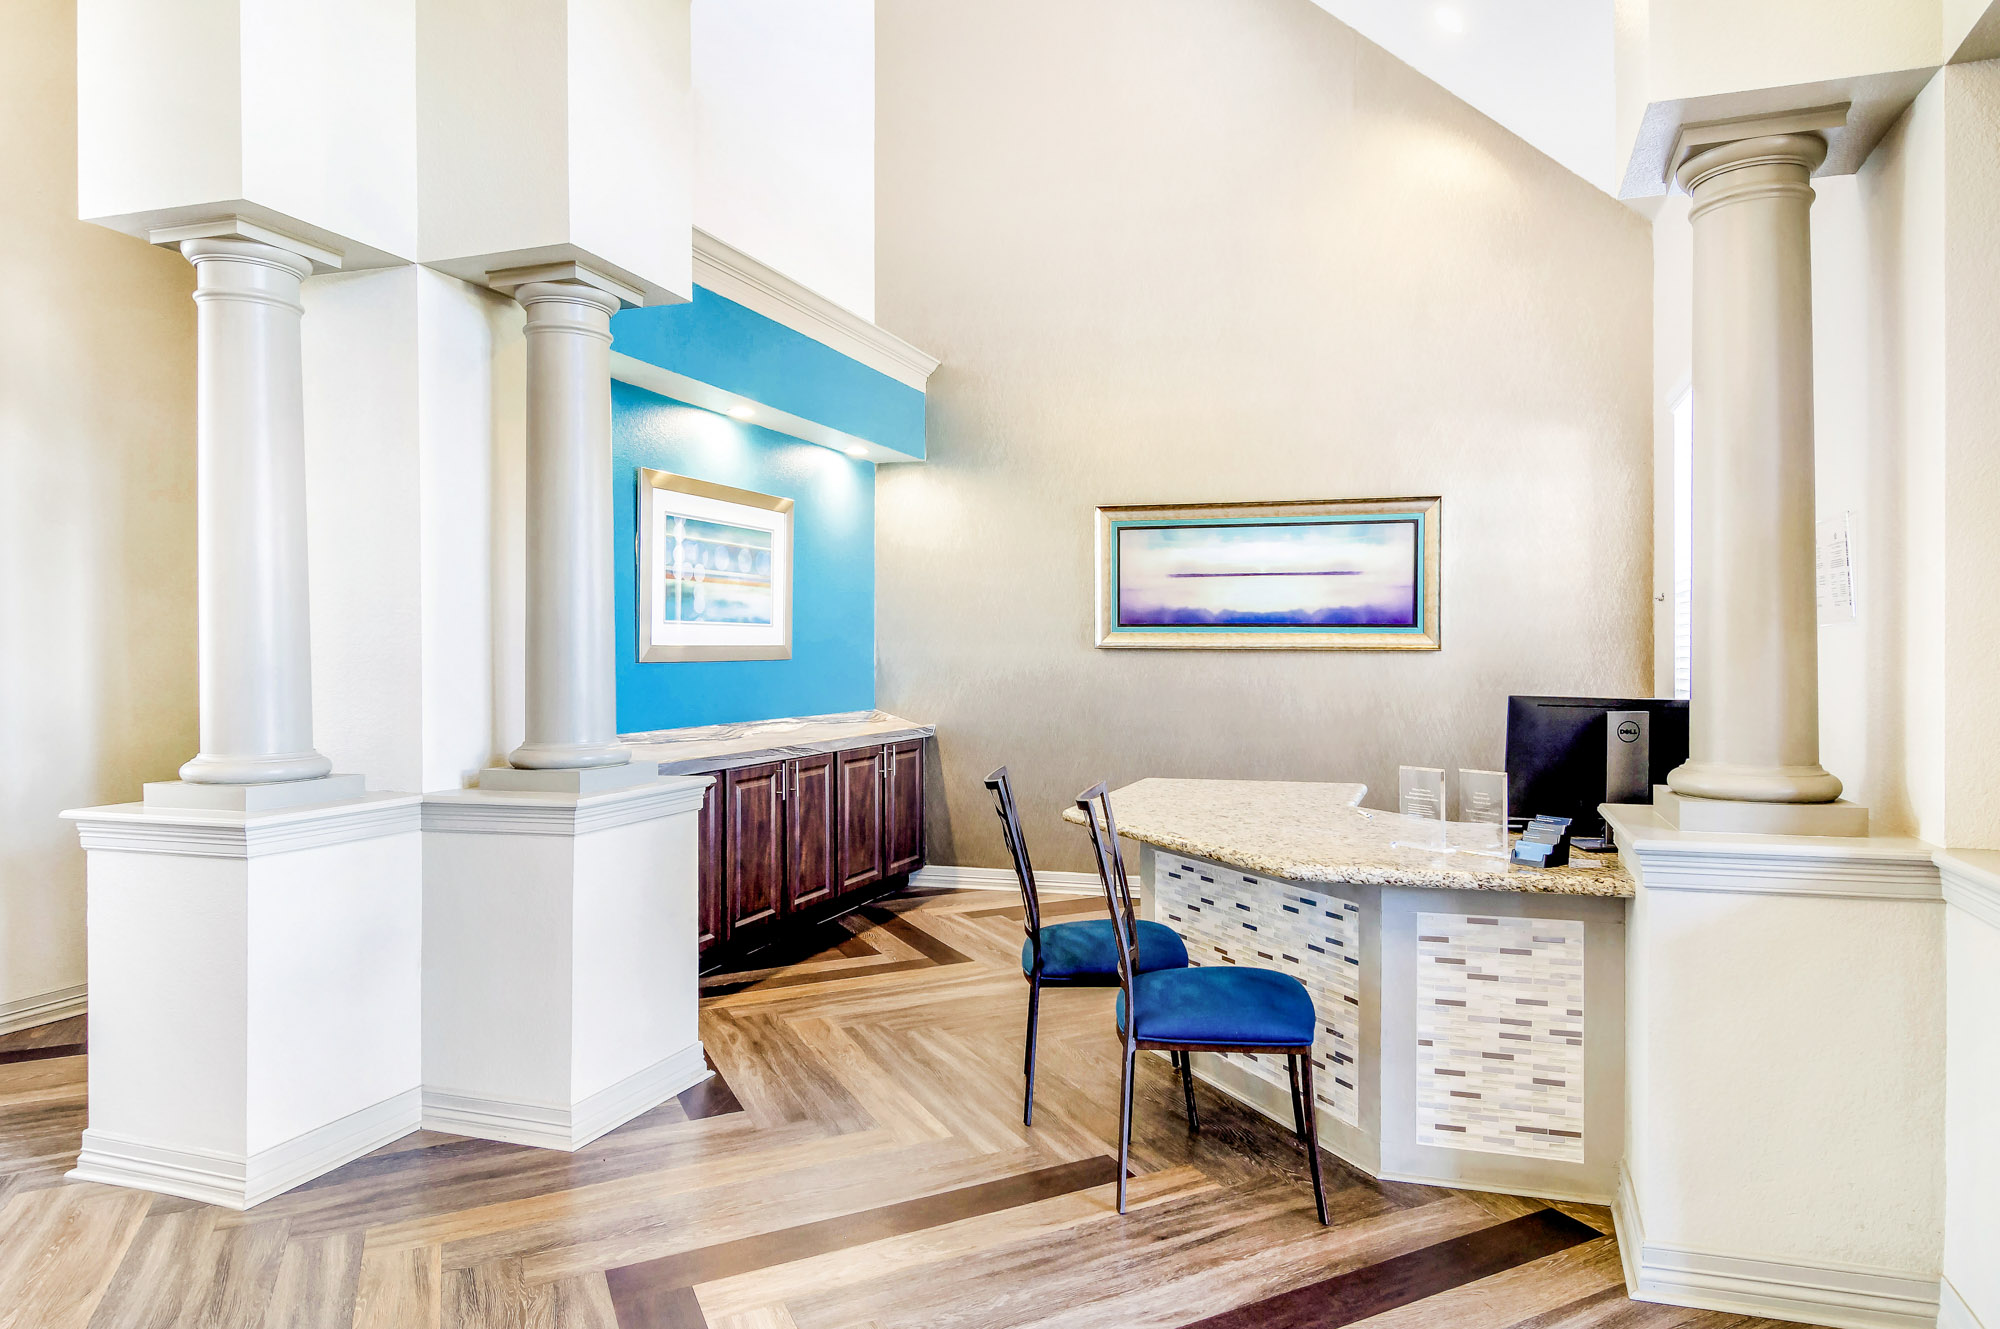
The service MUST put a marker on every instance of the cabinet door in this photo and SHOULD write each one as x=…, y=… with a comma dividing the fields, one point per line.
x=809, y=832
x=859, y=775
x=903, y=808
x=711, y=916
x=755, y=836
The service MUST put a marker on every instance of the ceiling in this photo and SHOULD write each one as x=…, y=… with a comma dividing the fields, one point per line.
x=1542, y=68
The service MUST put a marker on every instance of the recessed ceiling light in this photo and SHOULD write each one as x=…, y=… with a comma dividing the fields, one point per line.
x=742, y=411
x=1449, y=19
x=856, y=450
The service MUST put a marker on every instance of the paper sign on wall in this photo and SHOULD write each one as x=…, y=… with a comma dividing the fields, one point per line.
x=1835, y=566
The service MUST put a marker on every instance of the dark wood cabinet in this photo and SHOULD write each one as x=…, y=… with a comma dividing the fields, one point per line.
x=859, y=774
x=754, y=854
x=710, y=913
x=903, y=808
x=810, y=804
x=805, y=839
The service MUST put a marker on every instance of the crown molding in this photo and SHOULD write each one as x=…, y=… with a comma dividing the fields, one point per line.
x=1661, y=858
x=1971, y=879
x=134, y=828
x=734, y=275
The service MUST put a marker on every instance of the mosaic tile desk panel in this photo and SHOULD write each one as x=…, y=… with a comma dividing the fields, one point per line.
x=1500, y=1035
x=1230, y=917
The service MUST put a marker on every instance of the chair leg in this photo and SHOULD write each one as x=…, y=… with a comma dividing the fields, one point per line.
x=1125, y=1124
x=1028, y=1066
x=1312, y=1137
x=1187, y=1091
x=1298, y=1113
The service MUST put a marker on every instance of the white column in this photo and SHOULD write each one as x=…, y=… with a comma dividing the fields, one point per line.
x=572, y=719
x=1754, y=720
x=255, y=654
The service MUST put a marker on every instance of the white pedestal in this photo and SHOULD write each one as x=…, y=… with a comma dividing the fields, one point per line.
x=561, y=971
x=1785, y=1024
x=255, y=988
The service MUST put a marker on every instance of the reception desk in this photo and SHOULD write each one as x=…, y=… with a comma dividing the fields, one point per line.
x=1471, y=1013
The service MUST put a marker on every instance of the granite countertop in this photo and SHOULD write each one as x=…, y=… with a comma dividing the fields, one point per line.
x=721, y=747
x=1316, y=833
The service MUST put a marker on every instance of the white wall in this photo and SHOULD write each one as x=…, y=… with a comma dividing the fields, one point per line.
x=785, y=148
x=97, y=636
x=1267, y=261
x=414, y=415
x=1972, y=1091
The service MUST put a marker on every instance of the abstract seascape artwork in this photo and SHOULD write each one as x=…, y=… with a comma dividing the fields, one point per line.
x=1346, y=574
x=715, y=571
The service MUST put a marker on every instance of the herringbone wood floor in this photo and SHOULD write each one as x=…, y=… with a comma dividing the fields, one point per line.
x=860, y=1161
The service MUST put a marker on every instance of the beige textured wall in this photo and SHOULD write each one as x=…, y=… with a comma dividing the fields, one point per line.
x=97, y=650
x=1173, y=250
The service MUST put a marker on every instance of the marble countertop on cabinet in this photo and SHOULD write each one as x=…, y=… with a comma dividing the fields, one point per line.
x=721, y=747
x=1317, y=833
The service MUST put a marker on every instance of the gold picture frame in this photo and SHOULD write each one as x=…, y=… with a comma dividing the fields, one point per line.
x=1290, y=575
x=715, y=571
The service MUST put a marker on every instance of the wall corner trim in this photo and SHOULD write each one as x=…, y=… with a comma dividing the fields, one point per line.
x=734, y=275
x=1841, y=1296
x=1953, y=1312
x=1971, y=885
x=545, y=1126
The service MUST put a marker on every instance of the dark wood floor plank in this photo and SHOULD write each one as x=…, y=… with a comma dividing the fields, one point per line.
x=71, y=1032
x=1410, y=1278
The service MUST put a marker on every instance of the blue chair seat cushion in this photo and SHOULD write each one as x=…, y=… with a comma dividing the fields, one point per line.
x=1088, y=948
x=1223, y=1006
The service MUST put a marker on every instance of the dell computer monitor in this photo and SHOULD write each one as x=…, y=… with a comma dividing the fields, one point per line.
x=1560, y=753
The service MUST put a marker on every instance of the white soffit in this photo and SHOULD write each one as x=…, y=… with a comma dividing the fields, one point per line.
x=1541, y=68
x=747, y=410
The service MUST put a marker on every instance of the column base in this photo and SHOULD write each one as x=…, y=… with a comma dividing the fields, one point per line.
x=561, y=969
x=226, y=770
x=1754, y=784
x=181, y=795
x=569, y=780
x=568, y=756
x=255, y=992
x=1840, y=818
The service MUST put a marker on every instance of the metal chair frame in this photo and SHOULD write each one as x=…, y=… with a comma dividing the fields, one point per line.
x=1095, y=803
x=1031, y=922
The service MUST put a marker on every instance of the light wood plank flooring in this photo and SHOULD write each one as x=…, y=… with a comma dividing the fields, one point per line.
x=858, y=1163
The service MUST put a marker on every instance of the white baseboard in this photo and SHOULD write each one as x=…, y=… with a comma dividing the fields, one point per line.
x=566, y=1128
x=43, y=1008
x=236, y=1182
x=1841, y=1296
x=1953, y=1313
x=945, y=878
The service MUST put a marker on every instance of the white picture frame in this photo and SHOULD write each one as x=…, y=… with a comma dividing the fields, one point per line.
x=715, y=571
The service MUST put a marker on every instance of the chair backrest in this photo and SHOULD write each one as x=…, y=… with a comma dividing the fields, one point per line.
x=1017, y=846
x=1096, y=805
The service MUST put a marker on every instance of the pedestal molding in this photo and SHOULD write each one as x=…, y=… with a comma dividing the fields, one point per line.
x=238, y=1182
x=491, y=812
x=1660, y=858
x=134, y=828
x=1842, y=1296
x=1972, y=887
x=546, y=1126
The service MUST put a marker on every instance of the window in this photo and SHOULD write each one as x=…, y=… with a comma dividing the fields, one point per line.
x=1684, y=544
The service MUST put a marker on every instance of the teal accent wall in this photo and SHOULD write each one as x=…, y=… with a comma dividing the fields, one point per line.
x=833, y=561
x=727, y=346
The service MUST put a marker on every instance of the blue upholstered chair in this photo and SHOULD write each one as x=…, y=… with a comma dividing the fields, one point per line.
x=1200, y=1009
x=1077, y=954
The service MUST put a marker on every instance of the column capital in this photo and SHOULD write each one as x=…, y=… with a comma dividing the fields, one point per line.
x=533, y=293
x=1803, y=152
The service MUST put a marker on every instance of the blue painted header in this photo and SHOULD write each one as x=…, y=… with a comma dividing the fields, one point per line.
x=719, y=342
x=833, y=568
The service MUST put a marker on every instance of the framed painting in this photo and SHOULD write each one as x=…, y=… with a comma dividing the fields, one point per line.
x=1346, y=574
x=715, y=571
